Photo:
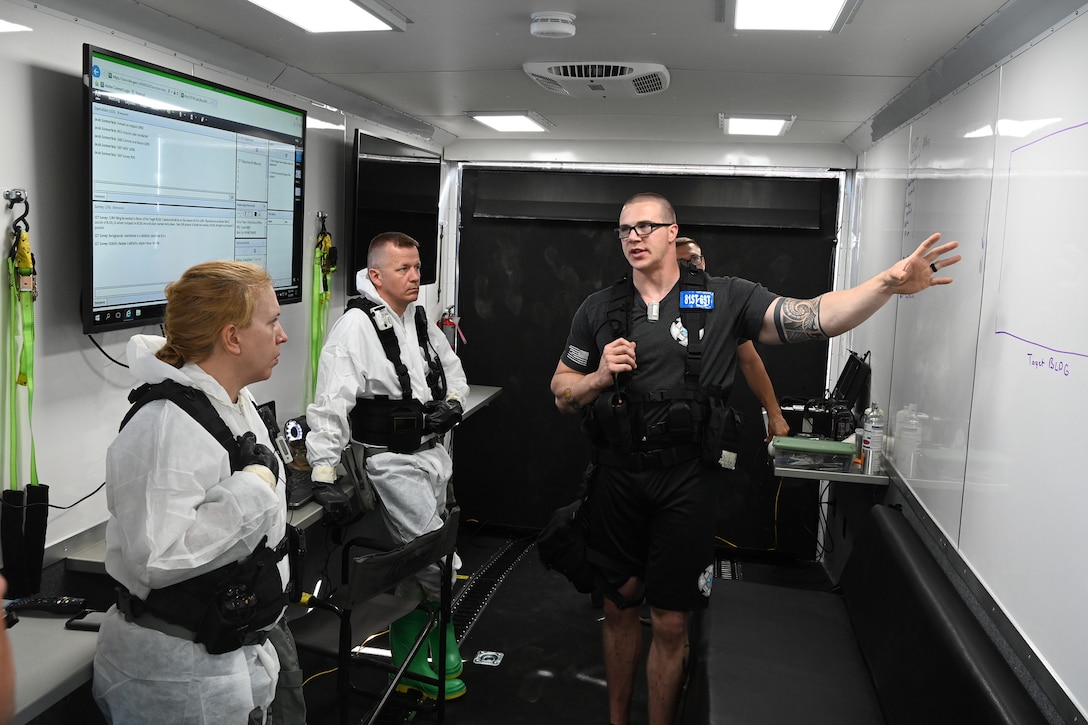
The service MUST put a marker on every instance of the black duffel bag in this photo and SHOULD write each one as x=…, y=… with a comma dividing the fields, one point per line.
x=562, y=545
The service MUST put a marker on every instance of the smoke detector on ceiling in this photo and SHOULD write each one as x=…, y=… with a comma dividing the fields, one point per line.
x=600, y=79
x=552, y=25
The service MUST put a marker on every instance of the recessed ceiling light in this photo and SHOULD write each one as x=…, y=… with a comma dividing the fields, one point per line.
x=513, y=121
x=754, y=124
x=811, y=15
x=336, y=16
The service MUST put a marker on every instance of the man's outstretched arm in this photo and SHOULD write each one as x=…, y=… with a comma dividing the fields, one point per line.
x=792, y=320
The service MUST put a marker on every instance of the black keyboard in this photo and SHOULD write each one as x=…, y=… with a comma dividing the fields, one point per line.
x=299, y=490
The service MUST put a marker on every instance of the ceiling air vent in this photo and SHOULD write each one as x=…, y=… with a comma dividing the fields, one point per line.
x=600, y=80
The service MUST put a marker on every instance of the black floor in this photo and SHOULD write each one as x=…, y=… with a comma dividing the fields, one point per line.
x=531, y=643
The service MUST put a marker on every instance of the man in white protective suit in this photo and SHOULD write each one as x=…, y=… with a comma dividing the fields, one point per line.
x=389, y=383
x=194, y=512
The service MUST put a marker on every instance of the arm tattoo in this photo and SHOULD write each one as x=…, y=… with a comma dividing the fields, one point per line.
x=798, y=320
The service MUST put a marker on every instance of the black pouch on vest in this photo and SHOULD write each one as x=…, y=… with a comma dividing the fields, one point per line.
x=721, y=436
x=247, y=599
x=611, y=416
x=680, y=421
x=405, y=429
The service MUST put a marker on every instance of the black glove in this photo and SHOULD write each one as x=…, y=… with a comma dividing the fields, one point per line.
x=250, y=452
x=335, y=504
x=439, y=415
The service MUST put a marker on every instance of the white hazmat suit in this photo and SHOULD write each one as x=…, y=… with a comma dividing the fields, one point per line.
x=176, y=511
x=353, y=364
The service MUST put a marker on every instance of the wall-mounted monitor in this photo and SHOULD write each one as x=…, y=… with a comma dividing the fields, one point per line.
x=182, y=171
x=395, y=188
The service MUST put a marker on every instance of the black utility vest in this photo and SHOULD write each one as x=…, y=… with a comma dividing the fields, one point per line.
x=396, y=423
x=615, y=422
x=225, y=607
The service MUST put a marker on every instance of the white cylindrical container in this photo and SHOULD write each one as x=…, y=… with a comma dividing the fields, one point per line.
x=873, y=441
x=909, y=442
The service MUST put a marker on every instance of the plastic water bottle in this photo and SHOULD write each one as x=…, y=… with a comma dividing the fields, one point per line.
x=909, y=441
x=873, y=441
x=891, y=446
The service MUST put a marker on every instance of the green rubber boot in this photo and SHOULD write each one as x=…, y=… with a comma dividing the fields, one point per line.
x=454, y=664
x=401, y=635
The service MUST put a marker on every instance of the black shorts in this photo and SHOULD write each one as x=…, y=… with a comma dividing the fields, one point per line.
x=658, y=524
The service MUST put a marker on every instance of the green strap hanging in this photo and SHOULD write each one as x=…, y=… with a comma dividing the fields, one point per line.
x=24, y=517
x=324, y=266
x=23, y=285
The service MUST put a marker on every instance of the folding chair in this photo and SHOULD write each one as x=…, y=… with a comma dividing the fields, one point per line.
x=363, y=605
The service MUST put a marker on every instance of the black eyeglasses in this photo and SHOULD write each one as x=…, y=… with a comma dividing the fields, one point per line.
x=643, y=229
x=694, y=260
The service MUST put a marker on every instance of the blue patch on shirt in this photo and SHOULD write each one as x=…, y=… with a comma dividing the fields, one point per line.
x=693, y=299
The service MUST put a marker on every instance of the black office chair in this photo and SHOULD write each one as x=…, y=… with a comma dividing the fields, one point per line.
x=363, y=606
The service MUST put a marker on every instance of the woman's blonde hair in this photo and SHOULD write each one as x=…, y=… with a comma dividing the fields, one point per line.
x=207, y=298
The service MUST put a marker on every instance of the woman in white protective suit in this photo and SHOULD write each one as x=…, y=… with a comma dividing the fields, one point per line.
x=183, y=514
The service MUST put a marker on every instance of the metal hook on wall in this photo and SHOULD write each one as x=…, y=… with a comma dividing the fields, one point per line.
x=18, y=196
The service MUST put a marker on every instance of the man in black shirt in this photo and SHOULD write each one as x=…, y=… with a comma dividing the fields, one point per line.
x=658, y=424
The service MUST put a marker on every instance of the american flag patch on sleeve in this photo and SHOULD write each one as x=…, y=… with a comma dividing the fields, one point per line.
x=576, y=356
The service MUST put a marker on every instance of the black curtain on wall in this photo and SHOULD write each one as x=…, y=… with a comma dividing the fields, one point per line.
x=534, y=244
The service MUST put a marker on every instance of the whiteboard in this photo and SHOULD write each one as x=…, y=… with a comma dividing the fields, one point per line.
x=998, y=361
x=1025, y=494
